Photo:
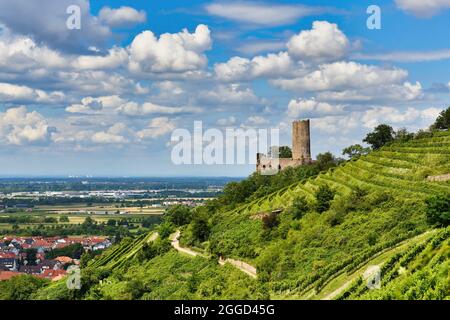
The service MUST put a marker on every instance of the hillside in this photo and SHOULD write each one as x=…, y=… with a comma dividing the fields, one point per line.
x=377, y=217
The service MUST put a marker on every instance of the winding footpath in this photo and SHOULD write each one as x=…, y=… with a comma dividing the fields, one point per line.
x=241, y=265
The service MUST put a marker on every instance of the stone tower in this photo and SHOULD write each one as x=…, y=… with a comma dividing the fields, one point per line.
x=301, y=141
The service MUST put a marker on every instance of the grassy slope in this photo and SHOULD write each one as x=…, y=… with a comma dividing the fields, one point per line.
x=309, y=258
x=305, y=255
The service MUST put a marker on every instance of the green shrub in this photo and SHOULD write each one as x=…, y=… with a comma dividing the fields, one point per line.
x=324, y=195
x=438, y=209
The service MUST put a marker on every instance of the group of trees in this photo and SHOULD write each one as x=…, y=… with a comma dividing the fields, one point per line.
x=384, y=134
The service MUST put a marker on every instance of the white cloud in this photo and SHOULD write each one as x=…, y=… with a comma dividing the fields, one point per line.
x=122, y=17
x=91, y=105
x=11, y=93
x=325, y=42
x=45, y=22
x=405, y=56
x=373, y=117
x=19, y=127
x=229, y=121
x=311, y=108
x=233, y=94
x=423, y=8
x=114, y=135
x=256, y=121
x=177, y=53
x=343, y=75
x=136, y=109
x=381, y=93
x=157, y=127
x=115, y=58
x=257, y=13
x=271, y=65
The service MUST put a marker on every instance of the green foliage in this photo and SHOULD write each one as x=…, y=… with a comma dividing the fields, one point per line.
x=326, y=161
x=21, y=287
x=355, y=151
x=402, y=135
x=438, y=209
x=300, y=207
x=165, y=229
x=285, y=152
x=382, y=135
x=178, y=215
x=64, y=219
x=324, y=195
x=443, y=120
x=74, y=251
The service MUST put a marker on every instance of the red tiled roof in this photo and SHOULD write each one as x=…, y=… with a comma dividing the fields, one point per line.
x=6, y=275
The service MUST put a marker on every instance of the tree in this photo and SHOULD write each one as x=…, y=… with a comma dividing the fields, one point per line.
x=403, y=135
x=111, y=223
x=88, y=222
x=21, y=287
x=179, y=215
x=200, y=227
x=283, y=152
x=382, y=135
x=324, y=196
x=64, y=219
x=31, y=256
x=326, y=161
x=438, y=209
x=299, y=207
x=355, y=151
x=443, y=120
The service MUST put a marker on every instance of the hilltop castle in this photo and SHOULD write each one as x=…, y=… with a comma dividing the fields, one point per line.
x=301, y=150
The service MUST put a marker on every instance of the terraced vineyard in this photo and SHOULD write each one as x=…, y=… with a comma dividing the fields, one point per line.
x=117, y=256
x=404, y=270
x=401, y=168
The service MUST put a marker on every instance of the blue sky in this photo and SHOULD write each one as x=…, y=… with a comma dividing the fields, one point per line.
x=105, y=99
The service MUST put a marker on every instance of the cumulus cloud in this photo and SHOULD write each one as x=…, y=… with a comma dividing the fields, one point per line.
x=375, y=116
x=136, y=109
x=177, y=53
x=324, y=42
x=311, y=108
x=157, y=127
x=45, y=21
x=423, y=8
x=343, y=75
x=256, y=121
x=270, y=65
x=382, y=93
x=96, y=105
x=257, y=13
x=15, y=93
x=116, y=134
x=19, y=127
x=122, y=17
x=228, y=121
x=115, y=58
x=233, y=94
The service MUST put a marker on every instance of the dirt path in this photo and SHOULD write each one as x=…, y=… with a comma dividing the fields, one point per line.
x=176, y=244
x=244, y=267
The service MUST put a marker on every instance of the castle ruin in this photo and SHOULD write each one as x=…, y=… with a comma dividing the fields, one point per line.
x=301, y=150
